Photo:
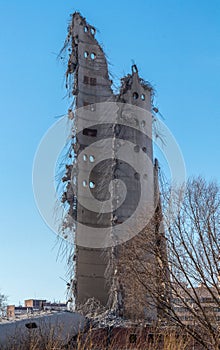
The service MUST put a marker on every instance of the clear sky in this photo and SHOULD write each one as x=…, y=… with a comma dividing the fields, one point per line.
x=176, y=45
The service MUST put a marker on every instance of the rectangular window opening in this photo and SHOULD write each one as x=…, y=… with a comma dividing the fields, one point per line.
x=93, y=81
x=86, y=80
x=90, y=132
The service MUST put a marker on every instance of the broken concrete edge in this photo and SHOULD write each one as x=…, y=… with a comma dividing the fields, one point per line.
x=71, y=45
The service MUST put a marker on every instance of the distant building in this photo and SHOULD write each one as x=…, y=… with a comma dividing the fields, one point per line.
x=16, y=311
x=196, y=301
x=55, y=306
x=34, y=305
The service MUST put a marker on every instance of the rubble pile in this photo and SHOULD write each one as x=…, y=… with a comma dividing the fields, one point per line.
x=91, y=308
x=101, y=317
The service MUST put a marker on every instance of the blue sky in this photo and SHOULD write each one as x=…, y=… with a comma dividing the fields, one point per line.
x=176, y=45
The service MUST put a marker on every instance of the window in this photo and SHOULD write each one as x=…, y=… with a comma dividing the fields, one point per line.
x=92, y=30
x=91, y=159
x=93, y=56
x=86, y=80
x=143, y=123
x=134, y=68
x=92, y=184
x=90, y=132
x=135, y=95
x=143, y=97
x=93, y=81
x=85, y=157
x=86, y=54
x=86, y=29
x=84, y=183
x=144, y=149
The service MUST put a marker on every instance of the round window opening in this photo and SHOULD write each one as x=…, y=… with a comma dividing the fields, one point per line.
x=84, y=183
x=86, y=54
x=91, y=159
x=92, y=30
x=85, y=157
x=92, y=184
x=143, y=97
x=93, y=56
x=86, y=29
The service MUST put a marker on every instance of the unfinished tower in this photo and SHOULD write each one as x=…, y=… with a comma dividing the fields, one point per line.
x=106, y=273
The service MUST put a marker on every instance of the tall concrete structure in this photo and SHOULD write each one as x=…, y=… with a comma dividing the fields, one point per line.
x=102, y=273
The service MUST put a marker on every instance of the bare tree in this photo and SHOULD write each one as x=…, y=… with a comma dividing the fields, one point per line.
x=3, y=305
x=192, y=222
x=186, y=246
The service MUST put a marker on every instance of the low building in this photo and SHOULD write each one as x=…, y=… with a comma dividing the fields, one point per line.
x=16, y=311
x=55, y=306
x=190, y=304
x=34, y=305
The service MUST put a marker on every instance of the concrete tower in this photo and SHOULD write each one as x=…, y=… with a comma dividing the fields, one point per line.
x=103, y=273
